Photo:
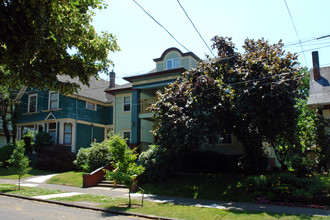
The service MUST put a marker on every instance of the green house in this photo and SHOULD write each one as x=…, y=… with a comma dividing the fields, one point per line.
x=131, y=118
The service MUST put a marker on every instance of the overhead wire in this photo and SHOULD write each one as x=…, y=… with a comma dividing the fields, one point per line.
x=294, y=26
x=195, y=27
x=161, y=25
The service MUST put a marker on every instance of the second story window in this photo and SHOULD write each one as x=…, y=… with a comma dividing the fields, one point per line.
x=91, y=106
x=32, y=105
x=172, y=63
x=127, y=103
x=53, y=100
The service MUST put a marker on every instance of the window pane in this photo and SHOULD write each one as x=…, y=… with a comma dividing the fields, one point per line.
x=53, y=96
x=67, y=139
x=51, y=126
x=33, y=104
x=176, y=63
x=90, y=105
x=169, y=64
x=67, y=128
x=127, y=103
x=53, y=134
x=127, y=136
x=53, y=104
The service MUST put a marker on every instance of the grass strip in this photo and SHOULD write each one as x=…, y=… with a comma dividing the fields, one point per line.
x=27, y=191
x=8, y=174
x=175, y=211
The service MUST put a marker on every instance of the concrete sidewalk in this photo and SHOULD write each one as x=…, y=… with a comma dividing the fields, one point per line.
x=123, y=193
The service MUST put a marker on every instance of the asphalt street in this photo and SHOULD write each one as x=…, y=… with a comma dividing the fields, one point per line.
x=14, y=208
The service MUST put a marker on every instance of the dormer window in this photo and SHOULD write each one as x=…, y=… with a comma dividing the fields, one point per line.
x=172, y=63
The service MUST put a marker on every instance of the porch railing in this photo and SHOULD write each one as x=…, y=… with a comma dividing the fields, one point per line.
x=146, y=103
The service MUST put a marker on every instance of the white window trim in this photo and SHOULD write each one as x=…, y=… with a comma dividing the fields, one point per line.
x=130, y=103
x=64, y=133
x=49, y=100
x=95, y=106
x=29, y=100
x=130, y=134
x=172, y=62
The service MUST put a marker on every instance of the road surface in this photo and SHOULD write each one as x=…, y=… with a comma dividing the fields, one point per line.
x=14, y=208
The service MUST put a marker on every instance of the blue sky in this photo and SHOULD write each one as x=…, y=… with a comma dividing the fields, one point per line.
x=141, y=39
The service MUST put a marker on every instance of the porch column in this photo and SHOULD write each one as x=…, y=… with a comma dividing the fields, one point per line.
x=136, y=122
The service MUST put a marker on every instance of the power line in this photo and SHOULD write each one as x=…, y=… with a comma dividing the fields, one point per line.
x=160, y=25
x=195, y=27
x=294, y=26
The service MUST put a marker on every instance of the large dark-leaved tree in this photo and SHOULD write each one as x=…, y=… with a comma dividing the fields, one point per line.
x=250, y=94
x=40, y=39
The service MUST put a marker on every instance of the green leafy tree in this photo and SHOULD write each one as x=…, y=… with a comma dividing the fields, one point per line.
x=250, y=94
x=40, y=39
x=8, y=114
x=19, y=162
x=124, y=163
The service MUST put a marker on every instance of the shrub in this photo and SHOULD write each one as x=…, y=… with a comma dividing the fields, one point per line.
x=209, y=162
x=43, y=139
x=286, y=187
x=5, y=153
x=56, y=158
x=94, y=157
x=158, y=163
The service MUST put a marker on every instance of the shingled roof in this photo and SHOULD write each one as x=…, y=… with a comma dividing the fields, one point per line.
x=94, y=91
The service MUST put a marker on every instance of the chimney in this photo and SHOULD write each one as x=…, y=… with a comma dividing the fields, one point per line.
x=112, y=79
x=316, y=65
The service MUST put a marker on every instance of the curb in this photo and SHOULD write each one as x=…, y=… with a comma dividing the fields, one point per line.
x=90, y=208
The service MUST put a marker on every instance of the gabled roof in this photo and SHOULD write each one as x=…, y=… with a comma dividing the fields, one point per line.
x=319, y=90
x=176, y=49
x=94, y=91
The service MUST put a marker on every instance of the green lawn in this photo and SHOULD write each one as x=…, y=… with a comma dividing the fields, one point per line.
x=177, y=211
x=26, y=191
x=202, y=186
x=73, y=178
x=5, y=173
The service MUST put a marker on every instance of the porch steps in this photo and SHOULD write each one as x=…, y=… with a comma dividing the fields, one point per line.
x=106, y=183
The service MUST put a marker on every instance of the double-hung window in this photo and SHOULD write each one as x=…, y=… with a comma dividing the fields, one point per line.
x=32, y=105
x=172, y=63
x=67, y=137
x=52, y=131
x=53, y=100
x=127, y=136
x=127, y=103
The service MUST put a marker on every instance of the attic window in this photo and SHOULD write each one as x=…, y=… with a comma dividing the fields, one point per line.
x=172, y=63
x=91, y=106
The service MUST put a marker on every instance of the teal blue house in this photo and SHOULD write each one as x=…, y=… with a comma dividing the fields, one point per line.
x=74, y=120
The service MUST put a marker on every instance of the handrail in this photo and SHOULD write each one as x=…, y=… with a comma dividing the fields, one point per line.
x=146, y=103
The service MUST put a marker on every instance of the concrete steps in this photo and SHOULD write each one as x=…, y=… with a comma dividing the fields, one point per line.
x=106, y=183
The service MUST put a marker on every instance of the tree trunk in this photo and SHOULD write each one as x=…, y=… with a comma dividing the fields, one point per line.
x=13, y=114
x=129, y=197
x=5, y=129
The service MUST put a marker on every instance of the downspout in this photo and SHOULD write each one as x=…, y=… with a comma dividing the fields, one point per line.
x=75, y=127
x=92, y=133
